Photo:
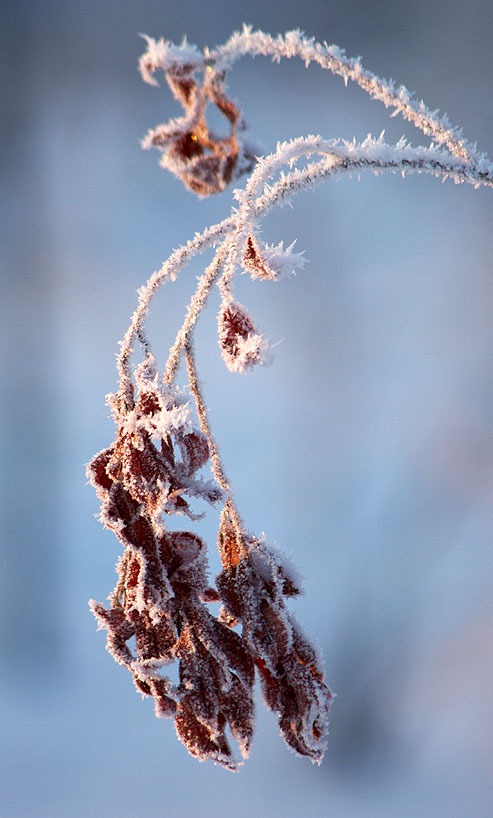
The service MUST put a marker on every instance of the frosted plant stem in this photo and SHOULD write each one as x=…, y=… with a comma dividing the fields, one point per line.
x=332, y=165
x=195, y=307
x=372, y=155
x=338, y=157
x=163, y=55
x=217, y=464
x=333, y=58
x=168, y=272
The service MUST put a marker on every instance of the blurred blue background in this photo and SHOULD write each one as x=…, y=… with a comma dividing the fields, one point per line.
x=365, y=451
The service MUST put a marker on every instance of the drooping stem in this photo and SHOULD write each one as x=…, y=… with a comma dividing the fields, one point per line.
x=167, y=272
x=195, y=307
x=333, y=58
x=339, y=157
x=217, y=464
x=162, y=55
x=162, y=589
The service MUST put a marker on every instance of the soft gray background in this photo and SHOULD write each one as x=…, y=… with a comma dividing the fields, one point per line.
x=366, y=451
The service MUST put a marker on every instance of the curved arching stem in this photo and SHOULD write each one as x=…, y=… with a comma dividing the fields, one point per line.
x=165, y=56
x=167, y=272
x=258, y=199
x=152, y=467
x=217, y=464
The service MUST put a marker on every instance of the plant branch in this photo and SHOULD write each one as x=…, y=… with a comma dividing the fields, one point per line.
x=216, y=462
x=163, y=55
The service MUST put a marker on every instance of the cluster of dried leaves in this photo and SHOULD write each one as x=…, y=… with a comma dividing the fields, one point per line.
x=162, y=592
x=204, y=161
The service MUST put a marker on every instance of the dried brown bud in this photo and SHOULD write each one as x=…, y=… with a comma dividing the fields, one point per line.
x=255, y=263
x=242, y=348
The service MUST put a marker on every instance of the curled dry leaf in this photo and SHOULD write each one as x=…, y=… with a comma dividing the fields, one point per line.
x=255, y=263
x=162, y=583
x=205, y=162
x=269, y=262
x=253, y=585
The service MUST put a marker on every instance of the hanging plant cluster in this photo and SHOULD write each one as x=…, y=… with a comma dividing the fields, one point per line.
x=161, y=603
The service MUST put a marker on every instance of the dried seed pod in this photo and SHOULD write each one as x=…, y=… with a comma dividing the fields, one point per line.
x=269, y=262
x=242, y=348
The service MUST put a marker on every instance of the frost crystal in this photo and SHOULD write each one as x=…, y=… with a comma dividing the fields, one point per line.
x=271, y=262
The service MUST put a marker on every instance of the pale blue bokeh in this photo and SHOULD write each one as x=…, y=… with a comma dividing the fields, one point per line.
x=365, y=452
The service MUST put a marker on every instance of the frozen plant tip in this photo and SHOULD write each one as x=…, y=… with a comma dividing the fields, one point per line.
x=159, y=612
x=241, y=346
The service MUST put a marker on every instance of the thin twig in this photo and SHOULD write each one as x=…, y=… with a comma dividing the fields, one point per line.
x=167, y=272
x=217, y=464
x=194, y=309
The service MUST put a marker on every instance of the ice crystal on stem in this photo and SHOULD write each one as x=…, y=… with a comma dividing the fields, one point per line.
x=152, y=469
x=270, y=263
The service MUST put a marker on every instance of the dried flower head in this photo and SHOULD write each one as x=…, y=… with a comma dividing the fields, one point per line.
x=205, y=162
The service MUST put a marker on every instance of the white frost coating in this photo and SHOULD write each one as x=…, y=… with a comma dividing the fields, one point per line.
x=284, y=261
x=174, y=407
x=274, y=566
x=167, y=272
x=146, y=668
x=254, y=350
x=165, y=55
x=272, y=262
x=333, y=58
